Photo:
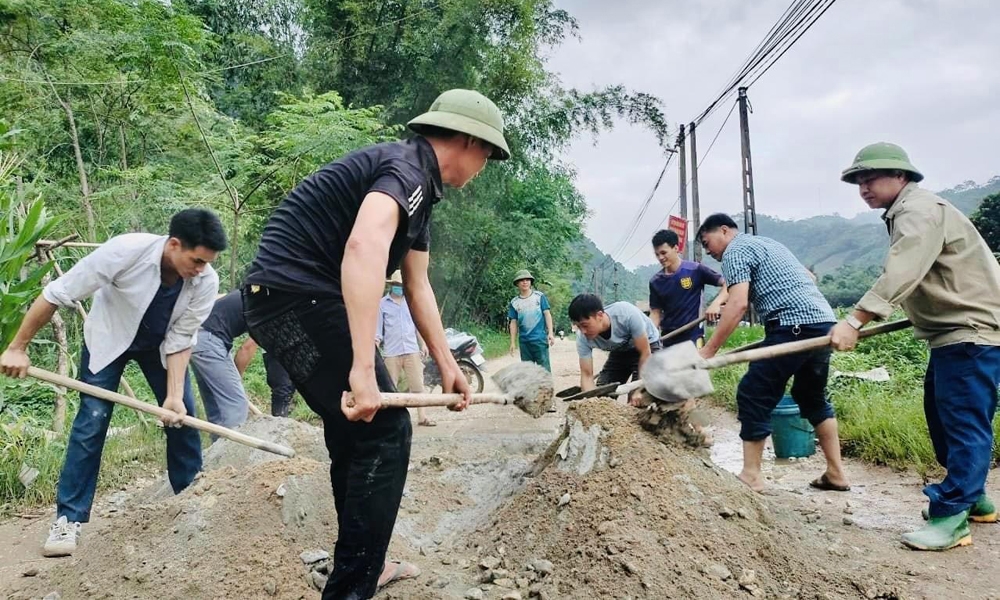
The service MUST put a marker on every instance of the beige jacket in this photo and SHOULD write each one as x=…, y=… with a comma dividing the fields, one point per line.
x=940, y=270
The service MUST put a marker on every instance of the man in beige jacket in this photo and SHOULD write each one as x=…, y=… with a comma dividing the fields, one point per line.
x=944, y=276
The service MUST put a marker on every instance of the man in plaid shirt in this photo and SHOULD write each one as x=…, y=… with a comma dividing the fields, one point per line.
x=761, y=271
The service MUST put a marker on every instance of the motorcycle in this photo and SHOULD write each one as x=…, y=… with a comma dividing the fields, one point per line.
x=469, y=356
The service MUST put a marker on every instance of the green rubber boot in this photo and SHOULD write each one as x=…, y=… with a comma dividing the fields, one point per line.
x=983, y=511
x=941, y=533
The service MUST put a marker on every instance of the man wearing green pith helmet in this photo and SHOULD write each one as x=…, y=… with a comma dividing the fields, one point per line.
x=312, y=301
x=530, y=321
x=942, y=273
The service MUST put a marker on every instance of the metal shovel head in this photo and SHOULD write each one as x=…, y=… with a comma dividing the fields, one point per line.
x=570, y=391
x=601, y=390
x=676, y=374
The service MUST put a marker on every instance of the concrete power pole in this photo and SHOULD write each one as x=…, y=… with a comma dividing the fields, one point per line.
x=683, y=199
x=749, y=208
x=695, y=245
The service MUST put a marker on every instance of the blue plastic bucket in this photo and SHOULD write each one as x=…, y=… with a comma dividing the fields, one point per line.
x=791, y=435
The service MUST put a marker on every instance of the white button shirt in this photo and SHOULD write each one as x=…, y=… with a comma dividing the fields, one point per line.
x=123, y=275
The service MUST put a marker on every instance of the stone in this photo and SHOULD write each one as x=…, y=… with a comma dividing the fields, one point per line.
x=52, y=596
x=511, y=595
x=271, y=587
x=743, y=514
x=446, y=560
x=489, y=563
x=30, y=572
x=726, y=512
x=718, y=571
x=605, y=527
x=747, y=579
x=474, y=594
x=318, y=580
x=313, y=556
x=848, y=521
x=505, y=583
x=542, y=566
x=565, y=499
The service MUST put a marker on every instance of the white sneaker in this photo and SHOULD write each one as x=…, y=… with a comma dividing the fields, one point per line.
x=63, y=536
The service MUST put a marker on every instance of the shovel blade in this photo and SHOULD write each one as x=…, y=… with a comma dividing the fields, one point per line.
x=597, y=392
x=675, y=374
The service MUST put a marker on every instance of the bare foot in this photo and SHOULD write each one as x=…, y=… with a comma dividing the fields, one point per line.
x=395, y=570
x=755, y=483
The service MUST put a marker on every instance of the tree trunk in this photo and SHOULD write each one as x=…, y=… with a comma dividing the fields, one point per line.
x=234, y=247
x=88, y=208
x=59, y=329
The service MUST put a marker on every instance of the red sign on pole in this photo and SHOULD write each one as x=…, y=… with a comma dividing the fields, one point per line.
x=679, y=226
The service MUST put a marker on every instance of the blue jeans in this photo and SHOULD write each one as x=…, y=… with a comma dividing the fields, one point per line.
x=960, y=399
x=78, y=479
x=219, y=382
x=764, y=384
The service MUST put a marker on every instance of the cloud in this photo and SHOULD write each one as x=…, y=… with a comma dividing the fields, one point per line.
x=921, y=73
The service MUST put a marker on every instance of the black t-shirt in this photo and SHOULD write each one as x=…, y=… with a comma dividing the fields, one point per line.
x=303, y=243
x=226, y=321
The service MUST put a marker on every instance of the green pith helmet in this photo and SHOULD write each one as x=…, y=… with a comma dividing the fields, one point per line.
x=881, y=155
x=469, y=112
x=523, y=274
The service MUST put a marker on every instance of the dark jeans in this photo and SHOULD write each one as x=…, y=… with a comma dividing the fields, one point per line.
x=960, y=399
x=621, y=365
x=368, y=461
x=536, y=352
x=282, y=388
x=765, y=381
x=78, y=479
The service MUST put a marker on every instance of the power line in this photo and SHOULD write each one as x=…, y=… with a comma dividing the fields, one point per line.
x=701, y=159
x=811, y=23
x=637, y=221
x=794, y=22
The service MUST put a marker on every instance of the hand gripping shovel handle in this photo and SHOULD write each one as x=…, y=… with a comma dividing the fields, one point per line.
x=429, y=400
x=785, y=349
x=225, y=432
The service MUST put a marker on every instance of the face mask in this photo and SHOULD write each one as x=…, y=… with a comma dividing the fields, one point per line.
x=396, y=290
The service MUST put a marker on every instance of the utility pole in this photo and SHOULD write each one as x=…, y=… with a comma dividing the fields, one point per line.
x=749, y=208
x=616, y=282
x=683, y=198
x=695, y=204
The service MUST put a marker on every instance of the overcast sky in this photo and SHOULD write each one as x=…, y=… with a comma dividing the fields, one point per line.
x=921, y=73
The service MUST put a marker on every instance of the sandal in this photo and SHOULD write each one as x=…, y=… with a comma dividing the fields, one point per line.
x=400, y=571
x=824, y=483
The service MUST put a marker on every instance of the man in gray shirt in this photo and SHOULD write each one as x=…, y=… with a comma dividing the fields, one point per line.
x=621, y=329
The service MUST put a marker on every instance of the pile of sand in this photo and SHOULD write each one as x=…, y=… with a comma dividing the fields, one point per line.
x=617, y=514
x=610, y=512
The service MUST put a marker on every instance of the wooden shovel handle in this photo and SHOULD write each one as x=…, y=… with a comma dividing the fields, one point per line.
x=682, y=329
x=794, y=347
x=157, y=411
x=428, y=400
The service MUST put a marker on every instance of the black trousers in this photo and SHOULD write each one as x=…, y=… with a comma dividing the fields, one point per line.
x=310, y=337
x=621, y=365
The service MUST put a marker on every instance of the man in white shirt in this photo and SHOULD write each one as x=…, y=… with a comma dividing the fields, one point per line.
x=151, y=295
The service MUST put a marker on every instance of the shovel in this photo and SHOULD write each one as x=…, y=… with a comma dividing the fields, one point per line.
x=525, y=385
x=157, y=411
x=679, y=373
x=575, y=393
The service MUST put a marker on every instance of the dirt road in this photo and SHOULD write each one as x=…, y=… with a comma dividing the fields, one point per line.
x=467, y=474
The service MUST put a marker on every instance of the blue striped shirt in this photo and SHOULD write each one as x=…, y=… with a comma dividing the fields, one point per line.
x=780, y=287
x=396, y=331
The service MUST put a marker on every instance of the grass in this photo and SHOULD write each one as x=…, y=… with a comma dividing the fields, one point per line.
x=880, y=422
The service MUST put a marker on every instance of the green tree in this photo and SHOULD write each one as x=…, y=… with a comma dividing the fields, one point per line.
x=24, y=222
x=987, y=221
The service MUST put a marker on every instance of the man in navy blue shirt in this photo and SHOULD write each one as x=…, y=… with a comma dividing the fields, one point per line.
x=675, y=293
